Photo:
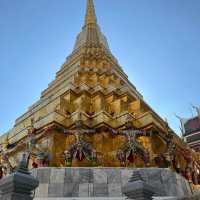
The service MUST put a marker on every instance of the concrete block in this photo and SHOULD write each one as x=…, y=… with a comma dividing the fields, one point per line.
x=91, y=190
x=86, y=175
x=71, y=189
x=114, y=176
x=100, y=190
x=43, y=175
x=115, y=190
x=42, y=190
x=68, y=175
x=84, y=190
x=55, y=190
x=125, y=175
x=100, y=176
x=57, y=175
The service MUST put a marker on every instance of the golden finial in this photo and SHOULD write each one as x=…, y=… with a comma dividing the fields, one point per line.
x=90, y=17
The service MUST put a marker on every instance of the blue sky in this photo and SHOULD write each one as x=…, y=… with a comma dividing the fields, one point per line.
x=157, y=42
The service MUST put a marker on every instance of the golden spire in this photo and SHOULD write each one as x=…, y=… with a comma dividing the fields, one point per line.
x=91, y=41
x=90, y=17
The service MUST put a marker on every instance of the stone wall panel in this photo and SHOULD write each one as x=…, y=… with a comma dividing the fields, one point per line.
x=105, y=182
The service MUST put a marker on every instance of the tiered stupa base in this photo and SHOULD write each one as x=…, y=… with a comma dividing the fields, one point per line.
x=104, y=183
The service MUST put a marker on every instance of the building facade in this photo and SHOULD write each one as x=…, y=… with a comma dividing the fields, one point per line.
x=191, y=131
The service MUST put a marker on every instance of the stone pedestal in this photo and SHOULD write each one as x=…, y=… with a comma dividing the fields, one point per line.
x=19, y=185
x=166, y=198
x=104, y=182
x=137, y=189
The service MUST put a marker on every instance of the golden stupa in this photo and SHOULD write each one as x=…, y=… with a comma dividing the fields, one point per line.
x=91, y=115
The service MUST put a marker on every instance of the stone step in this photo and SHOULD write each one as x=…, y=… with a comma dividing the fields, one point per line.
x=86, y=198
x=165, y=198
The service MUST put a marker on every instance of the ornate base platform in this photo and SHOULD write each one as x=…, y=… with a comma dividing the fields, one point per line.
x=90, y=183
x=87, y=198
